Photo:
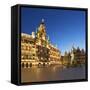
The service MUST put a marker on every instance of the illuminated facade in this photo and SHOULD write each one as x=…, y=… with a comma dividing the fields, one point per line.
x=36, y=49
x=75, y=57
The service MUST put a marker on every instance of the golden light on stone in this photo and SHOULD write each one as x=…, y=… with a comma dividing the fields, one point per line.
x=36, y=49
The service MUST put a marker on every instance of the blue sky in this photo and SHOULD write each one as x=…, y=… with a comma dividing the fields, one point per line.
x=64, y=27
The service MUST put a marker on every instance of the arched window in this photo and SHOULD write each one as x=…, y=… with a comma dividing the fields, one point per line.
x=26, y=65
x=30, y=64
x=22, y=65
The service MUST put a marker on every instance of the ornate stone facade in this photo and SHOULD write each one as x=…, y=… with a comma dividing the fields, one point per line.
x=78, y=56
x=73, y=58
x=36, y=49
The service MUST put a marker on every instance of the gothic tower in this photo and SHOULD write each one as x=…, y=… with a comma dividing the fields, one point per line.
x=41, y=31
x=41, y=34
x=42, y=42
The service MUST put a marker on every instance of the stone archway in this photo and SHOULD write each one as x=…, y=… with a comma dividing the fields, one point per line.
x=39, y=64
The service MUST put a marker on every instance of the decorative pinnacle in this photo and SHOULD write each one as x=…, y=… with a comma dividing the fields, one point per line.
x=42, y=20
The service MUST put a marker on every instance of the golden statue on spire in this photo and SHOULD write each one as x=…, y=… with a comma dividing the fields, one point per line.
x=42, y=20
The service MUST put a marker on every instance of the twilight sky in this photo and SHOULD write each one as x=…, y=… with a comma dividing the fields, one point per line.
x=64, y=27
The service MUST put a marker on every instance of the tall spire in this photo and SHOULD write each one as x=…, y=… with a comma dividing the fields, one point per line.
x=73, y=48
x=41, y=33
